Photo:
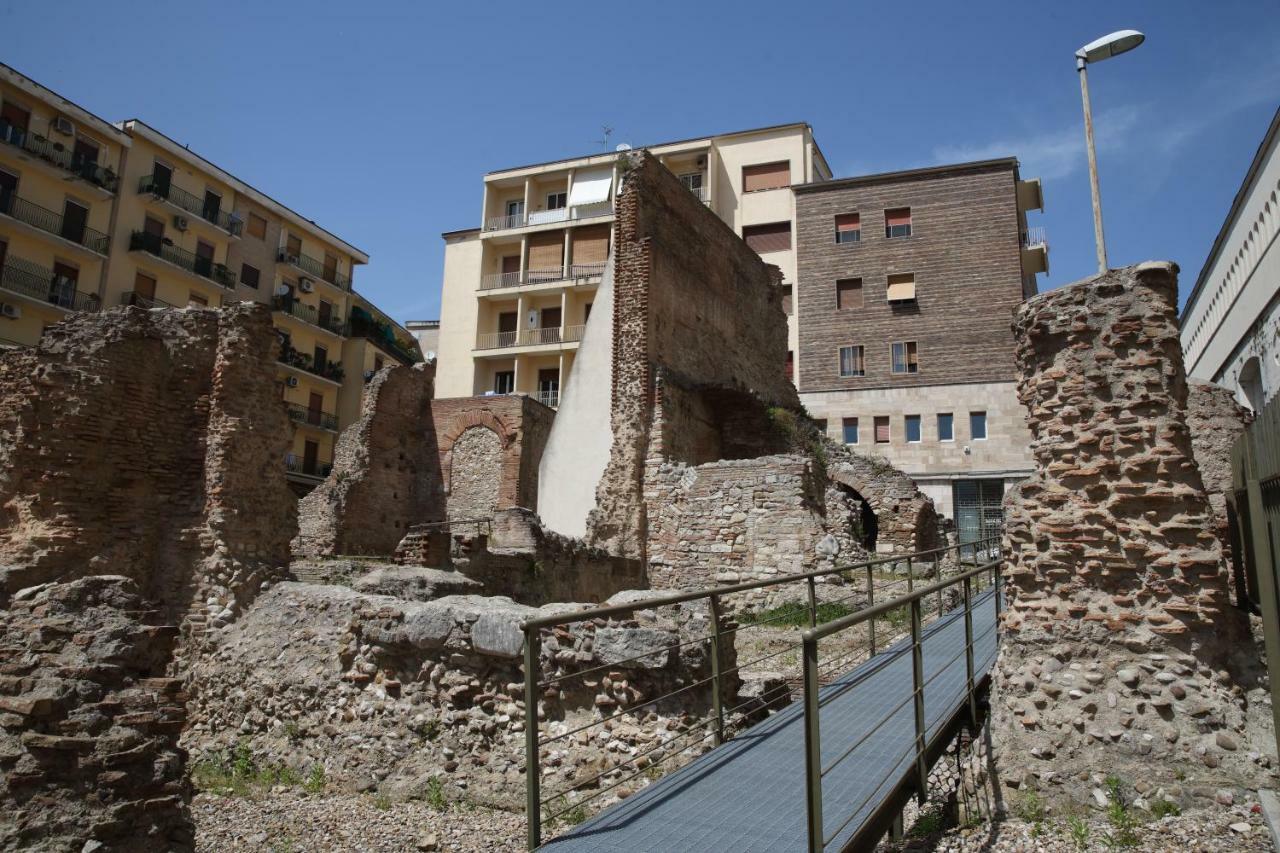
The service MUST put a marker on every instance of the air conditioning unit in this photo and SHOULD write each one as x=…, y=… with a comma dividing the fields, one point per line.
x=180, y=222
x=291, y=381
x=306, y=285
x=13, y=312
x=63, y=125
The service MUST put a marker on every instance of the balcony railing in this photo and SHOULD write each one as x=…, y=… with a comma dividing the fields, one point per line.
x=53, y=223
x=530, y=337
x=308, y=314
x=548, y=398
x=331, y=370
x=380, y=333
x=312, y=267
x=546, y=217
x=154, y=244
x=35, y=282
x=316, y=468
x=312, y=417
x=1034, y=236
x=129, y=297
x=573, y=272
x=164, y=188
x=57, y=154
x=702, y=194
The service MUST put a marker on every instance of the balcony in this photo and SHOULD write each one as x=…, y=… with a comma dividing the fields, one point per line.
x=56, y=154
x=530, y=337
x=163, y=248
x=312, y=417
x=331, y=370
x=1035, y=250
x=307, y=468
x=137, y=300
x=312, y=267
x=42, y=285
x=45, y=220
x=550, y=399
x=308, y=314
x=381, y=334
x=576, y=273
x=163, y=189
x=548, y=217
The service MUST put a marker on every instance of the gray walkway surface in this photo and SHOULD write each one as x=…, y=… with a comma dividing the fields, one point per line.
x=749, y=794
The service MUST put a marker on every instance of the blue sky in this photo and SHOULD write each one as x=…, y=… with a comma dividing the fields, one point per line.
x=378, y=119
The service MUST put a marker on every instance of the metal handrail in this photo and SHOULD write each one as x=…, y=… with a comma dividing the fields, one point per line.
x=154, y=244
x=546, y=217
x=573, y=272
x=54, y=223
x=720, y=719
x=307, y=313
x=166, y=190
x=299, y=466
x=312, y=417
x=1034, y=236
x=311, y=266
x=58, y=155
x=36, y=282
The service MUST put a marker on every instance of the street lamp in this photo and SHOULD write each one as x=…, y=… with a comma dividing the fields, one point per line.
x=1095, y=51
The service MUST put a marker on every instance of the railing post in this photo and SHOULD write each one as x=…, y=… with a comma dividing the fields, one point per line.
x=910, y=575
x=968, y=655
x=812, y=746
x=716, y=696
x=917, y=686
x=871, y=600
x=532, y=762
x=813, y=603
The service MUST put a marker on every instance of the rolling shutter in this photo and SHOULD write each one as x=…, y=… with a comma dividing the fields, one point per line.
x=766, y=176
x=546, y=252
x=591, y=245
x=774, y=237
x=897, y=216
x=902, y=288
x=849, y=222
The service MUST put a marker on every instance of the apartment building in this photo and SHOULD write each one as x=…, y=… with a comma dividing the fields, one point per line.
x=519, y=288
x=94, y=214
x=1231, y=321
x=427, y=333
x=907, y=285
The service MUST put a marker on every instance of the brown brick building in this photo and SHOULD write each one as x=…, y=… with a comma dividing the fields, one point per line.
x=906, y=287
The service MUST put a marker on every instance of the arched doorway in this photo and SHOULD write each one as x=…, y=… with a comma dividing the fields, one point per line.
x=1249, y=384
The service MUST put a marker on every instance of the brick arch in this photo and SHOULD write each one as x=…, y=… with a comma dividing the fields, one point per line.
x=906, y=520
x=509, y=447
x=467, y=420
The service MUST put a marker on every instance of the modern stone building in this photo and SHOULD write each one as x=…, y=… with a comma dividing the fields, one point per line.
x=907, y=286
x=94, y=214
x=518, y=289
x=1231, y=322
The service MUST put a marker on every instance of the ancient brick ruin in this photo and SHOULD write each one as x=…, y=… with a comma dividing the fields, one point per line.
x=1216, y=420
x=1118, y=625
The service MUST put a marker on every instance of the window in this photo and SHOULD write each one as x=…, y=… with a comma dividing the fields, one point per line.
x=62, y=290
x=897, y=222
x=850, y=430
x=851, y=363
x=320, y=357
x=85, y=152
x=786, y=300
x=946, y=427
x=257, y=226
x=204, y=258
x=212, y=206
x=693, y=182
x=978, y=425
x=882, y=429
x=766, y=176
x=515, y=208
x=194, y=298
x=902, y=288
x=330, y=271
x=848, y=293
x=504, y=381
x=556, y=201
x=904, y=358
x=293, y=246
x=249, y=276
x=848, y=228
x=75, y=218
x=774, y=237
x=912, y=424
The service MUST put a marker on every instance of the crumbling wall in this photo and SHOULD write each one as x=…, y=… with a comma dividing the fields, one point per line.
x=89, y=725
x=385, y=475
x=1117, y=625
x=1216, y=420
x=906, y=520
x=147, y=444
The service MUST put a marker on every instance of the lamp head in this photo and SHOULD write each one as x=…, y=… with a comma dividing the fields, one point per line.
x=1110, y=45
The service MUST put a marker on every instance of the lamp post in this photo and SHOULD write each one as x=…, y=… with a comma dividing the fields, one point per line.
x=1095, y=51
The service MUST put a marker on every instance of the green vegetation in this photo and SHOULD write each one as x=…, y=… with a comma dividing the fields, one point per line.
x=315, y=781
x=1079, y=831
x=559, y=807
x=794, y=615
x=237, y=774
x=435, y=794
x=927, y=823
x=1165, y=808
x=1031, y=808
x=382, y=802
x=1124, y=826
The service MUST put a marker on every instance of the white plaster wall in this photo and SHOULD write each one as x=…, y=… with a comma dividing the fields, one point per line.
x=581, y=437
x=455, y=369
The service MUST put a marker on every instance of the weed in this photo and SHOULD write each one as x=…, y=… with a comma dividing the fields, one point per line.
x=1124, y=826
x=435, y=794
x=927, y=823
x=315, y=780
x=1031, y=808
x=1079, y=831
x=1180, y=775
x=794, y=615
x=292, y=731
x=1165, y=808
x=431, y=729
x=382, y=803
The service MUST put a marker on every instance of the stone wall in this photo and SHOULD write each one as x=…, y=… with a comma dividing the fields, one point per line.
x=1216, y=420
x=147, y=444
x=1118, y=630
x=385, y=475
x=89, y=725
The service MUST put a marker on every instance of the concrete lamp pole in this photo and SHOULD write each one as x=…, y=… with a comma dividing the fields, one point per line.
x=1095, y=51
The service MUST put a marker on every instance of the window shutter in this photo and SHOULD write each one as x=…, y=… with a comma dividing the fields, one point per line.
x=774, y=237
x=902, y=288
x=849, y=293
x=591, y=245
x=849, y=222
x=897, y=216
x=546, y=251
x=882, y=430
x=766, y=176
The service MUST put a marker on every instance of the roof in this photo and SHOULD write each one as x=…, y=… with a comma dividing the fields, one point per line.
x=905, y=174
x=461, y=232
x=242, y=187
x=659, y=144
x=1259, y=159
x=100, y=124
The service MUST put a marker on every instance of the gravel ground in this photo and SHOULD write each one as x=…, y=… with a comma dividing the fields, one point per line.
x=291, y=822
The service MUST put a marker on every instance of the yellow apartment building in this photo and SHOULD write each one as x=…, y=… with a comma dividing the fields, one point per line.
x=94, y=214
x=518, y=289
x=59, y=181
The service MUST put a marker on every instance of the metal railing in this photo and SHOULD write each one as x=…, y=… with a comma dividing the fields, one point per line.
x=36, y=282
x=59, y=155
x=53, y=223
x=308, y=314
x=918, y=750
x=331, y=370
x=547, y=217
x=130, y=297
x=530, y=337
x=383, y=335
x=550, y=399
x=721, y=722
x=577, y=273
x=311, y=266
x=154, y=244
x=1034, y=236
x=312, y=417
x=294, y=465
x=166, y=190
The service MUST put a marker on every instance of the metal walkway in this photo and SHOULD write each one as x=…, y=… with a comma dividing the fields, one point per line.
x=749, y=794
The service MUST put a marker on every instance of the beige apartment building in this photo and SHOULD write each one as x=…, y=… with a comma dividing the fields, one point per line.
x=94, y=214
x=519, y=288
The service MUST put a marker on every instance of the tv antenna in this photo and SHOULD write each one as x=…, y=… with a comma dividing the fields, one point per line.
x=604, y=140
